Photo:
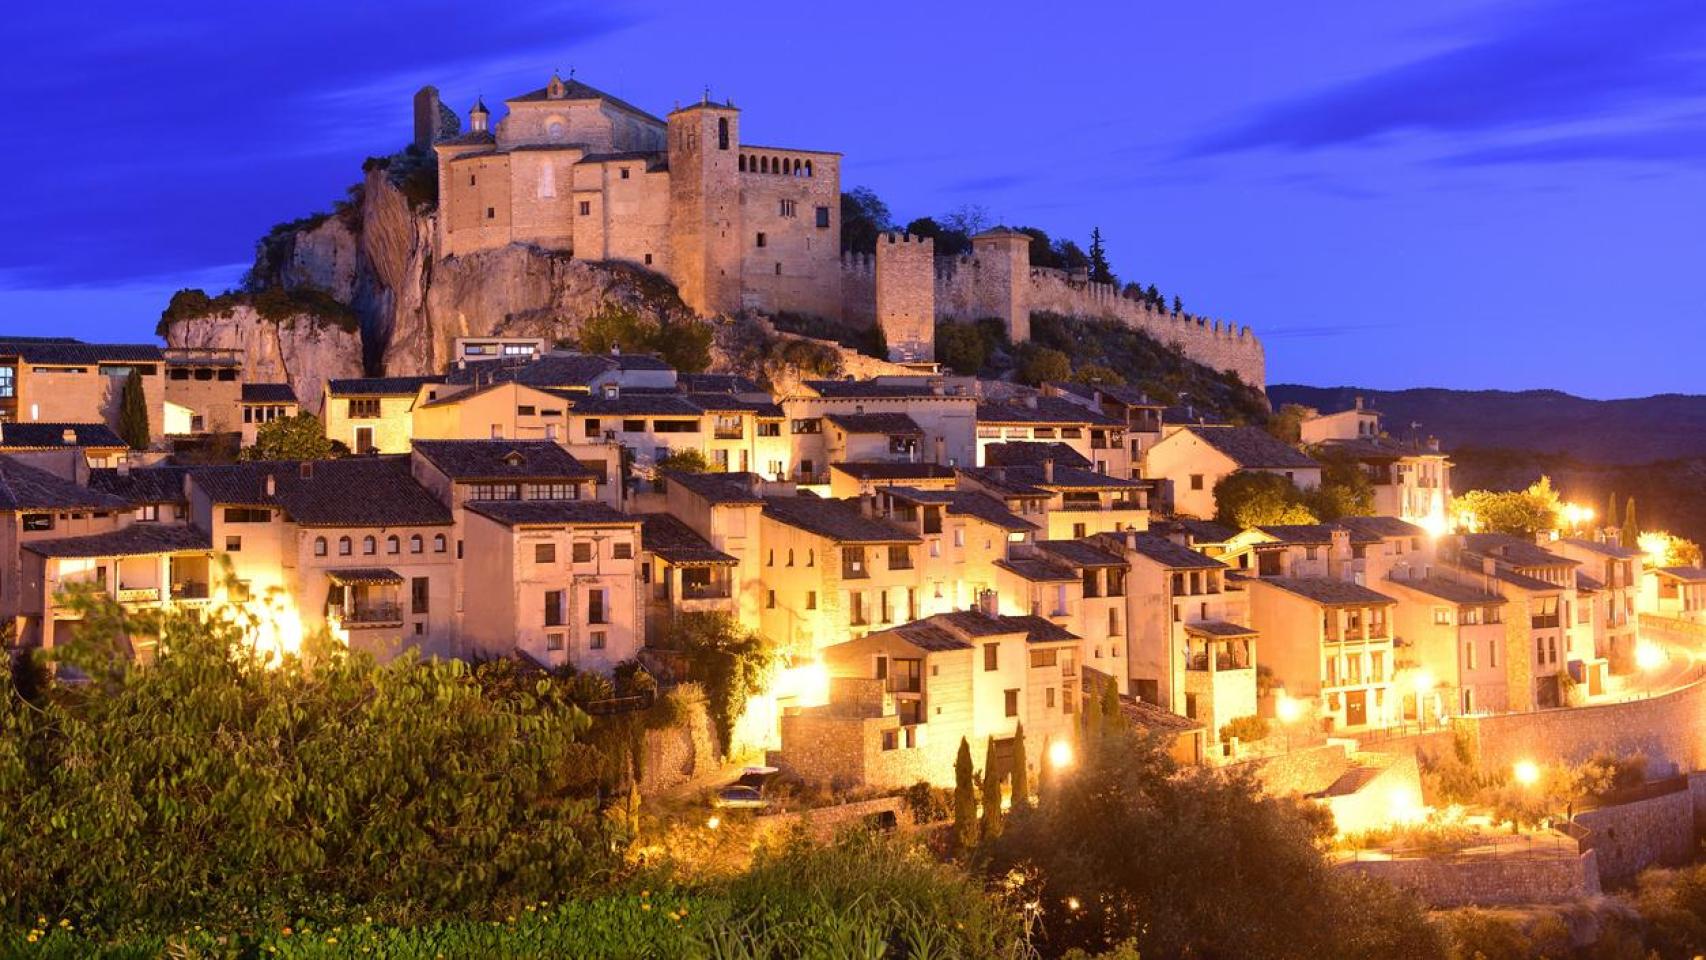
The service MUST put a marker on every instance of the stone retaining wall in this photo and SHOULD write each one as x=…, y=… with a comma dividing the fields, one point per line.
x=1669, y=729
x=1490, y=881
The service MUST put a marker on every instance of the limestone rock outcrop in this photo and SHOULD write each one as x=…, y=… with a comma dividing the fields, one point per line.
x=301, y=350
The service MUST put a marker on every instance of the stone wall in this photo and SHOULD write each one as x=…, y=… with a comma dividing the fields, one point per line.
x=675, y=755
x=1489, y=881
x=906, y=295
x=1300, y=771
x=1629, y=837
x=1669, y=729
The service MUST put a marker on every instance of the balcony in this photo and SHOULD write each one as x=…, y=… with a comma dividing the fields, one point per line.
x=728, y=433
x=373, y=614
x=1544, y=623
x=715, y=590
x=138, y=594
x=190, y=590
x=904, y=684
x=1222, y=661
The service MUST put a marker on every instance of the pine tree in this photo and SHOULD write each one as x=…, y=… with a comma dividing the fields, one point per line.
x=1610, y=510
x=133, y=413
x=965, y=800
x=1631, y=530
x=1021, y=776
x=1178, y=305
x=991, y=795
x=1100, y=271
x=1153, y=295
x=1045, y=770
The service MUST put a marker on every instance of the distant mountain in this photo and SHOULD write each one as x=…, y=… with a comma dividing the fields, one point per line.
x=1620, y=432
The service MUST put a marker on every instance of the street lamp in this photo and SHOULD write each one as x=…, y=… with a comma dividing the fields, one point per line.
x=1649, y=656
x=1526, y=772
x=1288, y=711
x=1060, y=754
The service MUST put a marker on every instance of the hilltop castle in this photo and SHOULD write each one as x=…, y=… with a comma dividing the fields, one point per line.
x=738, y=226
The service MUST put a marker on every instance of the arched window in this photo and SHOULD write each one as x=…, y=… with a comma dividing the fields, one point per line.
x=345, y=546
x=369, y=545
x=416, y=544
x=392, y=544
x=742, y=163
x=319, y=546
x=763, y=164
x=808, y=168
x=796, y=168
x=438, y=543
x=790, y=556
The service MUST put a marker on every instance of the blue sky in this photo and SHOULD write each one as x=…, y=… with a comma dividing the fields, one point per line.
x=1465, y=194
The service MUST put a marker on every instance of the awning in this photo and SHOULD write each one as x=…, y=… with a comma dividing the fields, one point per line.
x=358, y=575
x=1219, y=629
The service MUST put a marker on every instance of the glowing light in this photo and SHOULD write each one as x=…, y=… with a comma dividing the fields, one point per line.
x=1576, y=515
x=1656, y=544
x=805, y=683
x=1423, y=680
x=1526, y=772
x=1060, y=754
x=1435, y=523
x=1650, y=656
x=1287, y=709
x=1073, y=904
x=1404, y=805
x=713, y=822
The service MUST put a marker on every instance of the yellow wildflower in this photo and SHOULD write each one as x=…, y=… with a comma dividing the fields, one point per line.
x=331, y=939
x=645, y=906
x=32, y=937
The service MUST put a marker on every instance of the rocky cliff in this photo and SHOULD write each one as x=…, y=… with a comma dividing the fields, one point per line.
x=375, y=256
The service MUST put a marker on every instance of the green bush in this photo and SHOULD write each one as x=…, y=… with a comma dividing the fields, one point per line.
x=213, y=784
x=1247, y=729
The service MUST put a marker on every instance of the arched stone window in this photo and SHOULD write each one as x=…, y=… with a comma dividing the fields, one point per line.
x=393, y=545
x=319, y=546
x=742, y=163
x=416, y=543
x=438, y=543
x=369, y=545
x=345, y=546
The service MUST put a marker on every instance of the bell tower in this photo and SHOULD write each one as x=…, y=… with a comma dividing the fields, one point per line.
x=706, y=231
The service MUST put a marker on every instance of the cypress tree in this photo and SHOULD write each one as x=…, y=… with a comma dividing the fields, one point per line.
x=1021, y=776
x=1631, y=530
x=1112, y=719
x=991, y=795
x=1100, y=271
x=1092, y=708
x=1611, y=510
x=133, y=413
x=965, y=800
x=1045, y=773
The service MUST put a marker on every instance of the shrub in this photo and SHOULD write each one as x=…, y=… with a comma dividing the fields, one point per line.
x=731, y=662
x=1248, y=499
x=301, y=437
x=1247, y=729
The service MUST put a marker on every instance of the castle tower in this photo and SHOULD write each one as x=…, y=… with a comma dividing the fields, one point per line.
x=906, y=296
x=433, y=120
x=479, y=118
x=707, y=235
x=1004, y=271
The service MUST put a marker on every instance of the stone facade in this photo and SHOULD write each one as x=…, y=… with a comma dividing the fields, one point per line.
x=1489, y=881
x=1668, y=729
x=1629, y=837
x=906, y=296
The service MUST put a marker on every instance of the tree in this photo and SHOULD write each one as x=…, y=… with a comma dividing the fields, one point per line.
x=133, y=413
x=864, y=217
x=960, y=346
x=1045, y=769
x=1112, y=717
x=1251, y=499
x=1153, y=295
x=1134, y=847
x=1631, y=534
x=683, y=344
x=1178, y=305
x=1072, y=256
x=969, y=219
x=1345, y=489
x=879, y=342
x=990, y=827
x=1043, y=251
x=1021, y=775
x=1519, y=512
x=965, y=800
x=1095, y=374
x=689, y=460
x=1100, y=272
x=1287, y=422
x=1611, y=512
x=732, y=663
x=949, y=242
x=301, y=437
x=1040, y=364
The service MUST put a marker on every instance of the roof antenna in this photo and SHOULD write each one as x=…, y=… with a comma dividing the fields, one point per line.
x=707, y=97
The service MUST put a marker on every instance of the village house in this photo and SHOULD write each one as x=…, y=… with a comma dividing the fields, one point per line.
x=681, y=574
x=834, y=570
x=1192, y=459
x=93, y=443
x=964, y=535
x=1098, y=611
x=724, y=509
x=1074, y=502
x=203, y=390
x=1550, y=641
x=61, y=380
x=1329, y=644
x=944, y=412
x=1615, y=571
x=1090, y=433
x=376, y=414
x=860, y=478
x=1451, y=648
x=262, y=403
x=1130, y=406
x=498, y=411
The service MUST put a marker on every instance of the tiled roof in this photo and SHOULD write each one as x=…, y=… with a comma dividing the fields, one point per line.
x=379, y=386
x=970, y=503
x=638, y=361
x=1505, y=574
x=517, y=513
x=725, y=402
x=718, y=488
x=855, y=389
x=268, y=393
x=893, y=470
x=1047, y=410
x=1252, y=447
x=1516, y=550
x=1313, y=533
x=469, y=460
x=973, y=623
x=1449, y=590
x=1129, y=396
x=675, y=542
x=717, y=383
x=633, y=402
x=544, y=371
x=134, y=540
x=575, y=90
x=1199, y=531
x=70, y=351
x=1003, y=482
x=1326, y=591
x=1064, y=477
x=470, y=139
x=368, y=491
x=1378, y=448
x=838, y=520
x=36, y=435
x=1587, y=584
x=653, y=160
x=1380, y=527
x=24, y=487
x=1080, y=553
x=1614, y=550
x=1015, y=453
x=159, y=484
x=929, y=637
x=894, y=424
x=1038, y=570
x=1218, y=628
x=1148, y=716
x=1689, y=574
x=1181, y=414
x=1039, y=629
x=351, y=575
x=1172, y=555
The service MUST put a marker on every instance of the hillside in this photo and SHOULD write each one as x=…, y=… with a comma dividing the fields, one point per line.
x=1664, y=427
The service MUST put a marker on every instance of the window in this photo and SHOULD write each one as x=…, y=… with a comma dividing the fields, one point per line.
x=247, y=515
x=1048, y=698
x=722, y=133
x=417, y=543
x=591, y=428
x=811, y=599
x=622, y=551
x=771, y=429
x=597, y=639
x=393, y=545
x=823, y=218
x=586, y=208
x=1469, y=655
x=525, y=410
x=595, y=612
x=991, y=657
x=622, y=172
x=148, y=512
x=553, y=608
x=345, y=546
x=1196, y=481
x=553, y=641
x=495, y=491
x=761, y=238
x=233, y=544
x=1012, y=703
x=787, y=208
x=418, y=594
x=959, y=536
x=790, y=556
x=1442, y=616
x=491, y=213
x=319, y=546
x=438, y=543
x=581, y=551
x=769, y=599
x=544, y=553
x=365, y=408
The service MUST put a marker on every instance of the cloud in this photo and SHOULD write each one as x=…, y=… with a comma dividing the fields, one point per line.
x=1321, y=331
x=1664, y=144
x=989, y=184
x=1539, y=65
x=165, y=142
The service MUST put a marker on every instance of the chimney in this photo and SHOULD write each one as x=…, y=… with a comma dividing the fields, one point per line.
x=1359, y=403
x=868, y=505
x=272, y=485
x=1030, y=401
x=1048, y=470
x=304, y=470
x=988, y=603
x=1489, y=566
x=68, y=436
x=124, y=467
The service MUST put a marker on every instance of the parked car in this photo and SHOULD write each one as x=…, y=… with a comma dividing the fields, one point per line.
x=747, y=792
